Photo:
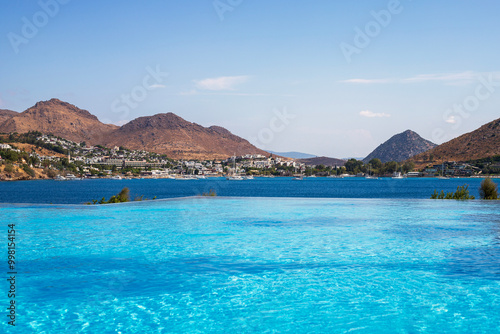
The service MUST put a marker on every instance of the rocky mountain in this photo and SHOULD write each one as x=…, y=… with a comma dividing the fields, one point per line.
x=481, y=143
x=400, y=147
x=162, y=133
x=323, y=161
x=6, y=114
x=61, y=119
x=178, y=138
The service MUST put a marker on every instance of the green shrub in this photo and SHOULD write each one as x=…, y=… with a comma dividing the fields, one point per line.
x=211, y=193
x=122, y=196
x=51, y=173
x=9, y=168
x=28, y=170
x=462, y=193
x=488, y=189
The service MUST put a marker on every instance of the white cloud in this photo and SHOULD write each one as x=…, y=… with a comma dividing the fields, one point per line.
x=461, y=78
x=221, y=83
x=449, y=78
x=451, y=120
x=368, y=113
x=157, y=86
x=195, y=92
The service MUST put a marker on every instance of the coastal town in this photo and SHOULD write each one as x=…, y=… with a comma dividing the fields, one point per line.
x=39, y=156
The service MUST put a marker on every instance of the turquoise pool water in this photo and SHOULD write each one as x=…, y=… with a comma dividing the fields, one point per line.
x=257, y=265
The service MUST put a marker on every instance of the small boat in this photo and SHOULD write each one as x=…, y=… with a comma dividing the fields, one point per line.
x=442, y=177
x=201, y=177
x=397, y=176
x=60, y=178
x=72, y=177
x=234, y=178
x=248, y=177
x=116, y=177
x=187, y=177
x=298, y=178
x=370, y=177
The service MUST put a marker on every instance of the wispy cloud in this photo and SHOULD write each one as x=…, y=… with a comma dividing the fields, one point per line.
x=155, y=86
x=461, y=78
x=371, y=114
x=221, y=83
x=367, y=81
x=195, y=92
x=451, y=120
x=448, y=78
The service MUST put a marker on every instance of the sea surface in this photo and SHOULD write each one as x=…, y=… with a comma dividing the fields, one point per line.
x=78, y=192
x=253, y=264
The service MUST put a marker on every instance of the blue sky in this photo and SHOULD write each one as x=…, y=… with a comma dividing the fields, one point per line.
x=334, y=78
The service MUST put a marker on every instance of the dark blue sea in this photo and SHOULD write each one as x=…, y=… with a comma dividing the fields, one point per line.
x=78, y=192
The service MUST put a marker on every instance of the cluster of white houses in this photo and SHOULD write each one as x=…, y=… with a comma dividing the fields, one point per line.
x=155, y=165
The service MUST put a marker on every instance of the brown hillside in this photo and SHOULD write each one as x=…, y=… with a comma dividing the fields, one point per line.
x=481, y=143
x=178, y=138
x=61, y=119
x=6, y=114
x=161, y=133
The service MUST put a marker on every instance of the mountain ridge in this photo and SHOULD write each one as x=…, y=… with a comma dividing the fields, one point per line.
x=400, y=147
x=171, y=134
x=60, y=118
x=165, y=133
x=6, y=114
x=481, y=143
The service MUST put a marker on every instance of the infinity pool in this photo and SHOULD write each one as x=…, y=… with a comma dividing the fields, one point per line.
x=246, y=265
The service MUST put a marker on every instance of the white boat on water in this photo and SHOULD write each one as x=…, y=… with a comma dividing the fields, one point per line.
x=60, y=178
x=442, y=177
x=72, y=177
x=187, y=177
x=397, y=176
x=201, y=177
x=234, y=178
x=298, y=178
x=370, y=177
x=248, y=177
x=116, y=177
